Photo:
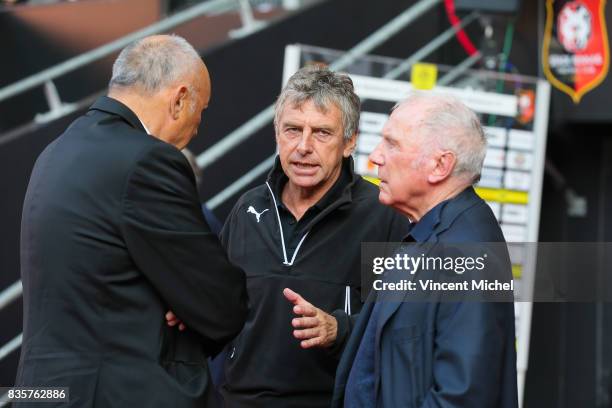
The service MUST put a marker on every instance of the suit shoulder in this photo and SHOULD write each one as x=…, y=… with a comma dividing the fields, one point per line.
x=476, y=224
x=157, y=149
x=160, y=161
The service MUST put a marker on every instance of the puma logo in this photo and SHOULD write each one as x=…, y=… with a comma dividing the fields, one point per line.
x=251, y=210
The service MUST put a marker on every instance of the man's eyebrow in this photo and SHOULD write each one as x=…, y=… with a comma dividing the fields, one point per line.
x=324, y=127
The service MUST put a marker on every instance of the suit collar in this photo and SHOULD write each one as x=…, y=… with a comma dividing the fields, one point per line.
x=455, y=207
x=441, y=217
x=422, y=230
x=338, y=196
x=114, y=107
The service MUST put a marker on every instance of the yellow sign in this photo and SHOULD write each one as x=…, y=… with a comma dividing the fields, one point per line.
x=424, y=76
x=517, y=271
x=373, y=180
x=502, y=195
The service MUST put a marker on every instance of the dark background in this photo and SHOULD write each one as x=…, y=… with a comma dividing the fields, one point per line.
x=570, y=359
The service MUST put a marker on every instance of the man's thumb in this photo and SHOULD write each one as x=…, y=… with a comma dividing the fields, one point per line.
x=292, y=296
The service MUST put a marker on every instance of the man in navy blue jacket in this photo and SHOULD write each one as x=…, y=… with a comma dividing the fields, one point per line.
x=426, y=354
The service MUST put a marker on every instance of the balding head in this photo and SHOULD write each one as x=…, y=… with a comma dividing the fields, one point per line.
x=154, y=62
x=165, y=82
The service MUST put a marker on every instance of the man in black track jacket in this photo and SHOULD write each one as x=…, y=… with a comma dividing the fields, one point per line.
x=302, y=229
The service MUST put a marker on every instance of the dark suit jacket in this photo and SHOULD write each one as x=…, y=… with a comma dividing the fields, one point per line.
x=112, y=237
x=442, y=354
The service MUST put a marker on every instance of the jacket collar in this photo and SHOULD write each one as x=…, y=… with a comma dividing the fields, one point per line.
x=440, y=218
x=336, y=196
x=114, y=107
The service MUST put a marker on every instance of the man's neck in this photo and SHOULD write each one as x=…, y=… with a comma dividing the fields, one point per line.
x=140, y=109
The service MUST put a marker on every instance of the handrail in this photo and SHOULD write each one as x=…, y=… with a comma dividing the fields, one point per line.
x=266, y=164
x=11, y=346
x=264, y=117
x=430, y=47
x=243, y=132
x=241, y=182
x=10, y=294
x=107, y=49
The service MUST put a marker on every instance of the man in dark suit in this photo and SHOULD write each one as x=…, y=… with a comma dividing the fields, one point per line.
x=113, y=236
x=433, y=353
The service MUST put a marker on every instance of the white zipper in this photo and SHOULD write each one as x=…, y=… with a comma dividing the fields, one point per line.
x=280, y=227
x=347, y=300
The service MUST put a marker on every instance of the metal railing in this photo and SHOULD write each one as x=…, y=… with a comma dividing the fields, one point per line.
x=262, y=118
x=81, y=60
x=10, y=294
x=45, y=78
x=265, y=117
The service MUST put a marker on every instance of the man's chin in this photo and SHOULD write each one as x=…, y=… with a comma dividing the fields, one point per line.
x=304, y=182
x=384, y=198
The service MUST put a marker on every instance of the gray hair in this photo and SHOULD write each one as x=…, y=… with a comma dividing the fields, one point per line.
x=449, y=124
x=323, y=87
x=154, y=63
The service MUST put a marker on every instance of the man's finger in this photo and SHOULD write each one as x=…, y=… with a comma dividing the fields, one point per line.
x=182, y=327
x=306, y=334
x=170, y=316
x=305, y=310
x=306, y=344
x=304, y=322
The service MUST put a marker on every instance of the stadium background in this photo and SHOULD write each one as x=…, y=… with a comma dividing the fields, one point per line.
x=570, y=360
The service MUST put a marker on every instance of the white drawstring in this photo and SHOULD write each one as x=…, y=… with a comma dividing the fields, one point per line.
x=347, y=300
x=280, y=227
x=296, y=250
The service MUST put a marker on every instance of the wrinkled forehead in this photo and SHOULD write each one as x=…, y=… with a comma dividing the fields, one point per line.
x=328, y=112
x=323, y=106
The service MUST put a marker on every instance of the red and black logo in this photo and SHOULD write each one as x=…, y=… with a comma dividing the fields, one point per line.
x=575, y=52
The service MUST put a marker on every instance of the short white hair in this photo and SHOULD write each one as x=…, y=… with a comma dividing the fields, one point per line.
x=448, y=124
x=154, y=63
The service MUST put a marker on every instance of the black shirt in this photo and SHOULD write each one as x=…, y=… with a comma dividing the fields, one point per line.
x=293, y=229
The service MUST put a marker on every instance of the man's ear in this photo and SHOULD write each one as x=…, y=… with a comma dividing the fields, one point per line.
x=349, y=145
x=179, y=101
x=444, y=165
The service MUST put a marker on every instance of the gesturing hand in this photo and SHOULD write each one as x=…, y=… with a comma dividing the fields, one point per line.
x=314, y=328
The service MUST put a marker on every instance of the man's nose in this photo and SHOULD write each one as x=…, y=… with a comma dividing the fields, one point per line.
x=375, y=157
x=305, y=143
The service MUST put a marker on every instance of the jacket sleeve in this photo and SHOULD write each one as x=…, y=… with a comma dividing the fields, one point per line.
x=343, y=332
x=169, y=241
x=346, y=324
